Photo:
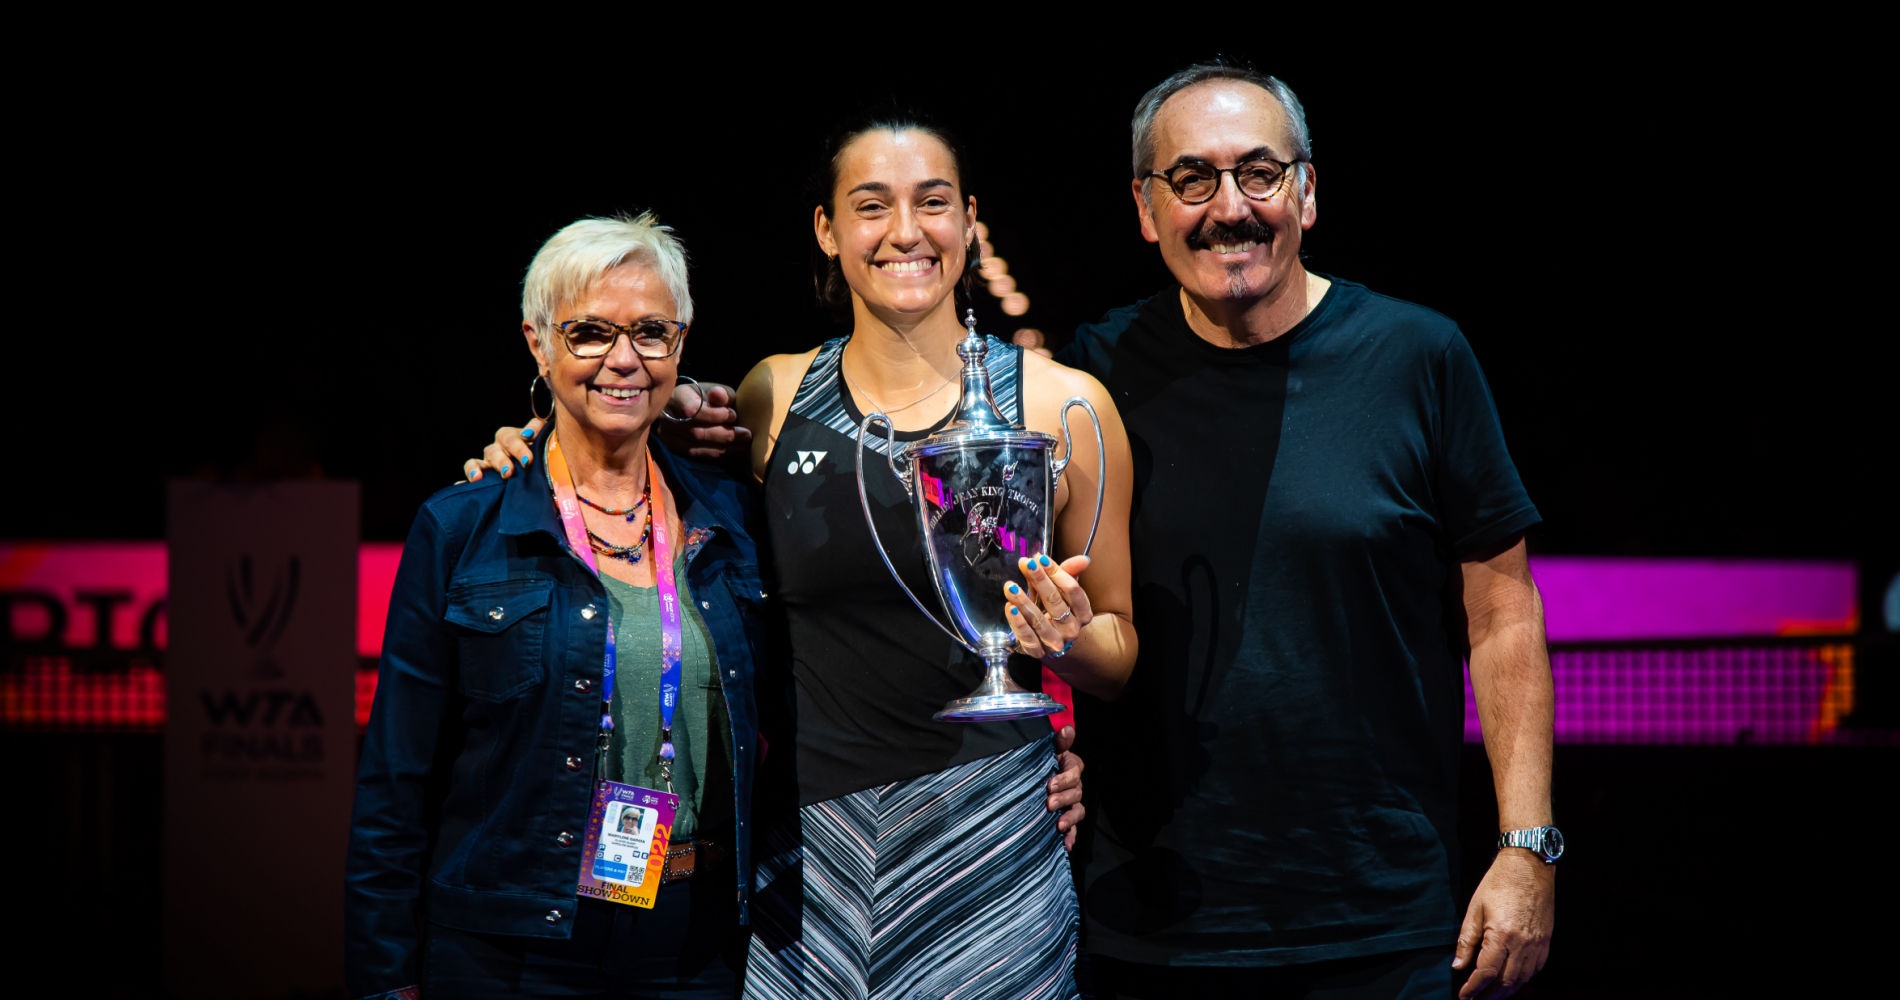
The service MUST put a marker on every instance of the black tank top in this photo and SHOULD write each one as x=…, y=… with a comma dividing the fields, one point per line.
x=868, y=667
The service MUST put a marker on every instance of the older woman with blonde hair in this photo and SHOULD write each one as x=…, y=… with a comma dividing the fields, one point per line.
x=560, y=645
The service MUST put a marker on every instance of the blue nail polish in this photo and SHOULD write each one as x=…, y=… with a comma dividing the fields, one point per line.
x=527, y=434
x=1013, y=612
x=1015, y=589
x=1045, y=560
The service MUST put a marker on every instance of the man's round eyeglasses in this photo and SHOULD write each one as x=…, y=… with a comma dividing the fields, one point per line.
x=651, y=338
x=1194, y=182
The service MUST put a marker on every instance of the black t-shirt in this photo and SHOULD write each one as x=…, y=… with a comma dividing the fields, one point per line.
x=1278, y=783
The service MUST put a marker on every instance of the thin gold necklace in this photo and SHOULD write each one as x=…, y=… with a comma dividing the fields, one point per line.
x=892, y=409
x=856, y=388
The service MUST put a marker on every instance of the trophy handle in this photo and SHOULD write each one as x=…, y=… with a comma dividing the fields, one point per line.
x=864, y=501
x=1101, y=453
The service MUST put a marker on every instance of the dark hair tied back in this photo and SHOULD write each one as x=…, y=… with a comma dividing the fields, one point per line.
x=827, y=274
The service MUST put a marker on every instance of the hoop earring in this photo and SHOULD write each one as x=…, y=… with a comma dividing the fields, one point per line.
x=543, y=380
x=667, y=412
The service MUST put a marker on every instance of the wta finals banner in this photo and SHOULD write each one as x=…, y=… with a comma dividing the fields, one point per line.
x=260, y=736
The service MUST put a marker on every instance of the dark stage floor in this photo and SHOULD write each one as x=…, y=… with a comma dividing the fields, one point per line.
x=1716, y=871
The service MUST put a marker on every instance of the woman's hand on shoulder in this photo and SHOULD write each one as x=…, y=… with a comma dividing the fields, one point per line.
x=512, y=446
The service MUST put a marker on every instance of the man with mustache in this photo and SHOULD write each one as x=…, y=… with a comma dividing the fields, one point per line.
x=1327, y=525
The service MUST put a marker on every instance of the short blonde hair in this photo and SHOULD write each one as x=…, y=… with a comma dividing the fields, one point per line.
x=573, y=259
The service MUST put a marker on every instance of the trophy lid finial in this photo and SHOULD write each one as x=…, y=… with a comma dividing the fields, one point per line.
x=975, y=407
x=972, y=348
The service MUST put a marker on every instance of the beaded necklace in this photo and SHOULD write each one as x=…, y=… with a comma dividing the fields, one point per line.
x=628, y=512
x=630, y=553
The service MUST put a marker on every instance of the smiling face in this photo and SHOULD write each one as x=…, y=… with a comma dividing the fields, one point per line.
x=1229, y=249
x=897, y=224
x=620, y=393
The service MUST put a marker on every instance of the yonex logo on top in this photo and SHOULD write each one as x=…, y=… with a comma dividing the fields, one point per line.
x=805, y=462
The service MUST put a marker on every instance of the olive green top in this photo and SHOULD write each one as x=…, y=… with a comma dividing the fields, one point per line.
x=633, y=755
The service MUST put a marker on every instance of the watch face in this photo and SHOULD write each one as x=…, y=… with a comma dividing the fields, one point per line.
x=1553, y=846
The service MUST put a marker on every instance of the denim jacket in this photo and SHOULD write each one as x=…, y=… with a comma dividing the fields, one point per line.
x=477, y=768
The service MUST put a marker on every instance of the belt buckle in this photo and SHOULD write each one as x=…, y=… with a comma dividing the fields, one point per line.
x=681, y=859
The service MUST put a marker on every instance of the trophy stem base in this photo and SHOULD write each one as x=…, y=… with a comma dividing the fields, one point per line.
x=998, y=698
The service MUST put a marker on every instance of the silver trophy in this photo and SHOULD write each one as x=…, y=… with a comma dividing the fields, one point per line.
x=982, y=489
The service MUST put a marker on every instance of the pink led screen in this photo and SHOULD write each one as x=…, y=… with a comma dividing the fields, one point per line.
x=1644, y=600
x=1643, y=650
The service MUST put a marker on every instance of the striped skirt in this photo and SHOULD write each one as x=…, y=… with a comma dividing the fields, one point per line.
x=954, y=884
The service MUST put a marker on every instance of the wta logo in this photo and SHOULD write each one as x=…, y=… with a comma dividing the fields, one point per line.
x=806, y=462
x=262, y=609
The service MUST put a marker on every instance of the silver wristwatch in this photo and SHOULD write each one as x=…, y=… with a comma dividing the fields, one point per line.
x=1547, y=842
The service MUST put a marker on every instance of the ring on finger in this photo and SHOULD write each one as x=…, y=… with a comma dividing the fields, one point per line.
x=1065, y=616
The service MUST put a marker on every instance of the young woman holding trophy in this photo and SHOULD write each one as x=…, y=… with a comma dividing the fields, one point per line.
x=901, y=852
x=929, y=833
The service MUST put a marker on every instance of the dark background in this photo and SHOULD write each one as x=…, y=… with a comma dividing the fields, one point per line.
x=260, y=266
x=251, y=266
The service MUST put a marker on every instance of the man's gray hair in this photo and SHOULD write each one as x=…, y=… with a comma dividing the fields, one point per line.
x=1150, y=105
